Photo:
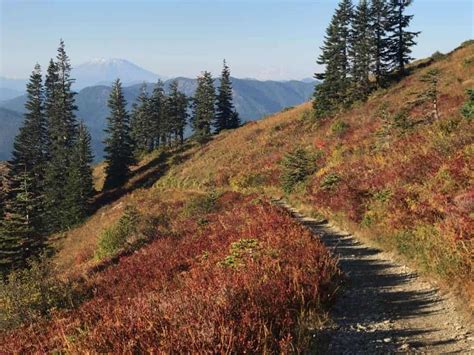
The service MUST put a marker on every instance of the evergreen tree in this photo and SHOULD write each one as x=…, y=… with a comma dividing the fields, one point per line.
x=380, y=26
x=177, y=111
x=160, y=122
x=360, y=51
x=22, y=220
x=80, y=186
x=203, y=106
x=62, y=134
x=401, y=40
x=18, y=238
x=118, y=150
x=224, y=105
x=142, y=127
x=234, y=120
x=334, y=91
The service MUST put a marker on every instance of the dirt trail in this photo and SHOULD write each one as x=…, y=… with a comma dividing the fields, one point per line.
x=386, y=307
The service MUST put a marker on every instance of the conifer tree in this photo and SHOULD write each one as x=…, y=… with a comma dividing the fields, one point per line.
x=401, y=40
x=203, y=106
x=118, y=149
x=80, y=186
x=18, y=238
x=62, y=133
x=360, y=51
x=141, y=125
x=224, y=105
x=234, y=120
x=22, y=219
x=380, y=25
x=177, y=111
x=334, y=91
x=160, y=122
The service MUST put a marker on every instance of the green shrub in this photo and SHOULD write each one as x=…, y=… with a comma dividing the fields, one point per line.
x=339, y=127
x=30, y=293
x=296, y=166
x=248, y=181
x=330, y=181
x=116, y=237
x=201, y=205
x=468, y=108
x=240, y=250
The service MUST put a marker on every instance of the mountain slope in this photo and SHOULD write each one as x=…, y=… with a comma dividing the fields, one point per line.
x=383, y=169
x=253, y=100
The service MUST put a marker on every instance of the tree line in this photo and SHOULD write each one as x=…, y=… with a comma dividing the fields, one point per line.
x=365, y=47
x=49, y=183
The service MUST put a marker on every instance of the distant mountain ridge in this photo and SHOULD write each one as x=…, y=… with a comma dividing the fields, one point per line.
x=253, y=99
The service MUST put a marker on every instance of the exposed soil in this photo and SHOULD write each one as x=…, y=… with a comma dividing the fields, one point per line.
x=385, y=306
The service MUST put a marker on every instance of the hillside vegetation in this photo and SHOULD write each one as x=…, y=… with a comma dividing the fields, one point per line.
x=385, y=169
x=191, y=255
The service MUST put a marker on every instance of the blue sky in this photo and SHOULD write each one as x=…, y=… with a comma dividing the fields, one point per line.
x=264, y=39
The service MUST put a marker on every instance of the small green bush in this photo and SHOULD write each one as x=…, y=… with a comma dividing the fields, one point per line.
x=201, y=205
x=468, y=108
x=296, y=166
x=330, y=181
x=33, y=292
x=339, y=127
x=239, y=250
x=115, y=238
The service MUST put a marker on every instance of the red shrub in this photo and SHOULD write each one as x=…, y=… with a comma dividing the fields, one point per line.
x=206, y=291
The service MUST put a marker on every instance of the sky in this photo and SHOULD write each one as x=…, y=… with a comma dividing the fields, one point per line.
x=263, y=39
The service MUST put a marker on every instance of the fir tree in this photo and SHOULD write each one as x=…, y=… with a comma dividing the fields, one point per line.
x=380, y=25
x=160, y=122
x=18, y=238
x=401, y=40
x=334, y=91
x=22, y=222
x=177, y=111
x=118, y=150
x=80, y=186
x=224, y=105
x=203, y=106
x=62, y=133
x=142, y=127
x=360, y=51
x=234, y=120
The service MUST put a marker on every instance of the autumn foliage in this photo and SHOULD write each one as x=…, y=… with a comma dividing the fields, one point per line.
x=247, y=278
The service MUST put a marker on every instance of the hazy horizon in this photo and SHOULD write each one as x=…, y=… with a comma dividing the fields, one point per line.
x=264, y=40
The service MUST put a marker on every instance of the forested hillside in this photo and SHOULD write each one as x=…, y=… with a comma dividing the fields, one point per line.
x=253, y=100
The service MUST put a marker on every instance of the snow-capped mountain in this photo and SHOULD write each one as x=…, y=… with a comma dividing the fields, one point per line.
x=105, y=71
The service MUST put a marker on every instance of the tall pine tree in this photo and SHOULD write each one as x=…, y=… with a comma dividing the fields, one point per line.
x=334, y=91
x=224, y=105
x=80, y=187
x=141, y=125
x=62, y=134
x=160, y=121
x=380, y=25
x=22, y=222
x=118, y=149
x=401, y=40
x=177, y=111
x=360, y=51
x=203, y=106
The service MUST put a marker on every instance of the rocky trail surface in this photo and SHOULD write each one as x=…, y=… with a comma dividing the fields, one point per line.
x=386, y=307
